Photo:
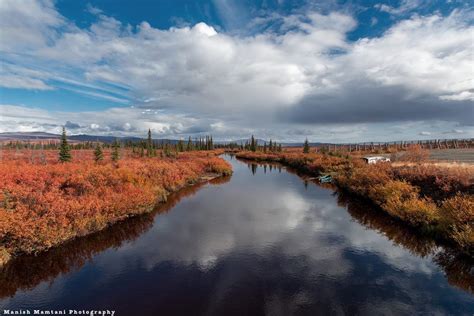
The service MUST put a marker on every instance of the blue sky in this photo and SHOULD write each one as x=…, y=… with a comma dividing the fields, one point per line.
x=234, y=16
x=326, y=70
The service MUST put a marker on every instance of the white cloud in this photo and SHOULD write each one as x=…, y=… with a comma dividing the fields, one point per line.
x=405, y=7
x=425, y=54
x=426, y=62
x=464, y=95
x=28, y=24
x=20, y=82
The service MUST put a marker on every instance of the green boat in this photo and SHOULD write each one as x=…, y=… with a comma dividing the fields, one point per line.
x=325, y=179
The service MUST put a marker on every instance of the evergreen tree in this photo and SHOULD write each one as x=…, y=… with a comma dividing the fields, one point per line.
x=306, y=147
x=115, y=151
x=98, y=154
x=253, y=145
x=149, y=145
x=64, y=148
x=166, y=150
x=189, y=146
x=180, y=146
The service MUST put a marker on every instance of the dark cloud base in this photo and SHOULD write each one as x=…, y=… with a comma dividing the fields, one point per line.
x=377, y=105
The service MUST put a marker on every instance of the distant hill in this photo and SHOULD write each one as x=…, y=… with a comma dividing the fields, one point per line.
x=27, y=136
x=35, y=136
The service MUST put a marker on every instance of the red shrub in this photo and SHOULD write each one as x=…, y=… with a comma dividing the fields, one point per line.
x=42, y=205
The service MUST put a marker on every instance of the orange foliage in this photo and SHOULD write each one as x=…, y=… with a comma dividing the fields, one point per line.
x=436, y=181
x=43, y=205
x=458, y=219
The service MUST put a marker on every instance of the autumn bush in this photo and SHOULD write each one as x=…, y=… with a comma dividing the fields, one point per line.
x=437, y=199
x=402, y=200
x=398, y=198
x=43, y=205
x=438, y=182
x=457, y=219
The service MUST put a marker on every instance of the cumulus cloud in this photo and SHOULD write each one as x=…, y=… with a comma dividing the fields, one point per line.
x=30, y=24
x=71, y=125
x=303, y=70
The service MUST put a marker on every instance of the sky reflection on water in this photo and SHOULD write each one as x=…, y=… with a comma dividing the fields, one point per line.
x=262, y=242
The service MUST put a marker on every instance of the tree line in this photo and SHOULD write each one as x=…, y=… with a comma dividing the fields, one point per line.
x=142, y=148
x=253, y=145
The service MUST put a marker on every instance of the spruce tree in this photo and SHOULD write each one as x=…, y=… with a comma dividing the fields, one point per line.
x=149, y=144
x=306, y=147
x=115, y=151
x=166, y=150
x=98, y=154
x=253, y=145
x=64, y=148
x=189, y=146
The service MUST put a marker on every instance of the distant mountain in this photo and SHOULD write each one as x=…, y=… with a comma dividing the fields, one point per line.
x=27, y=136
x=35, y=136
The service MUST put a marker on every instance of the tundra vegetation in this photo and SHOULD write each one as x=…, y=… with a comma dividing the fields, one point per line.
x=437, y=199
x=49, y=196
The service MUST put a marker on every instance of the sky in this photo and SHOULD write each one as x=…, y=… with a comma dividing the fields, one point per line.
x=329, y=71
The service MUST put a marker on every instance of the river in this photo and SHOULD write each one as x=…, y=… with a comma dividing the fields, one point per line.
x=262, y=242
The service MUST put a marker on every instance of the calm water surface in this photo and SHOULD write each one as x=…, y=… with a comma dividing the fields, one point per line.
x=263, y=242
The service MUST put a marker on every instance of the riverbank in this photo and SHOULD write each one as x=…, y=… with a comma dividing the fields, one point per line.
x=437, y=201
x=45, y=205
